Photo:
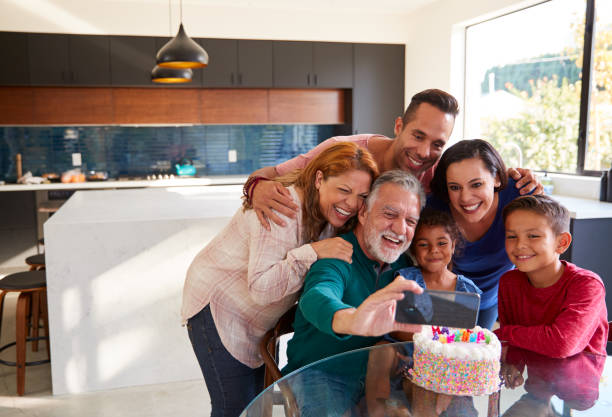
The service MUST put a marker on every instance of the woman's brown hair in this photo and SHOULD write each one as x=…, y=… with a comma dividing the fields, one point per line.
x=333, y=161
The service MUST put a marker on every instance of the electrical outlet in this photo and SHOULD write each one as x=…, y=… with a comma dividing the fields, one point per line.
x=232, y=155
x=76, y=160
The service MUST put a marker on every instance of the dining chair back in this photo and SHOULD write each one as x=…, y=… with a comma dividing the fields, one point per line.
x=269, y=351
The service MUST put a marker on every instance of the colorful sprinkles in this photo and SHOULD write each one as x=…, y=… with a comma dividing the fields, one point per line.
x=443, y=374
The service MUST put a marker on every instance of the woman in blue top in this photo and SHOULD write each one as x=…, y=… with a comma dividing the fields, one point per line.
x=472, y=184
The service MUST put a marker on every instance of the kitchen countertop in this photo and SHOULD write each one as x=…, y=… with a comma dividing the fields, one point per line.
x=116, y=263
x=582, y=208
x=175, y=182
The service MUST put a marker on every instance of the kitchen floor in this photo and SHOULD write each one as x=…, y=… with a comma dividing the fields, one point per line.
x=180, y=399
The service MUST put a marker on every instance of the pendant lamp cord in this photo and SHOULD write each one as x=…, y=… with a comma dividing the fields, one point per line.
x=181, y=3
x=170, y=18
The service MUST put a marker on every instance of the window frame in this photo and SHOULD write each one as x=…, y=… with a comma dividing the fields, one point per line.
x=586, y=77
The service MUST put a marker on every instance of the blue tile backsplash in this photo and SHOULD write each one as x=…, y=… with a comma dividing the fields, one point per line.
x=139, y=151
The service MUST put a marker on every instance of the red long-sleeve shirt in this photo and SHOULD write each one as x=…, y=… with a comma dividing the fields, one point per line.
x=566, y=318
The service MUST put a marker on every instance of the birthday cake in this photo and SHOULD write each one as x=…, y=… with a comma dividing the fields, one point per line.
x=456, y=361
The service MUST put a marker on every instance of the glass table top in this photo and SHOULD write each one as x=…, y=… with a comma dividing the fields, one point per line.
x=376, y=381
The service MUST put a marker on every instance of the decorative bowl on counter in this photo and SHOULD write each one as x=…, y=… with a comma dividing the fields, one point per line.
x=97, y=176
x=51, y=177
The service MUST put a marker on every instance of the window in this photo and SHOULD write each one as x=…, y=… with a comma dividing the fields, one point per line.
x=527, y=79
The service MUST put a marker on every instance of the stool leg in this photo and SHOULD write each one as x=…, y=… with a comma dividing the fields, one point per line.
x=45, y=317
x=20, y=345
x=35, y=319
x=2, y=295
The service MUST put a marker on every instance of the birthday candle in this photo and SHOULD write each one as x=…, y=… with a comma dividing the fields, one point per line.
x=487, y=339
x=451, y=338
x=473, y=337
x=443, y=338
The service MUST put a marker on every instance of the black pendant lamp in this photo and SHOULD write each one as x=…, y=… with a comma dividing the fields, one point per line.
x=171, y=75
x=182, y=51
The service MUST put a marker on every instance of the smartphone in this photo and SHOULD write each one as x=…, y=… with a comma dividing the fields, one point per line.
x=439, y=308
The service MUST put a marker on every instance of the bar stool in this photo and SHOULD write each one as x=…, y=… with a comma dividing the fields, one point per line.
x=27, y=284
x=36, y=262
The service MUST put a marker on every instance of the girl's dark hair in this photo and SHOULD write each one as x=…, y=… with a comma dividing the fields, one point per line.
x=467, y=149
x=430, y=217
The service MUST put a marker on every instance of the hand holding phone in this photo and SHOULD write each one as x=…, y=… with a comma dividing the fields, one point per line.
x=439, y=308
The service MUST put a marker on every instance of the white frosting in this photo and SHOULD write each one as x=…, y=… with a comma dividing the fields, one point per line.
x=459, y=350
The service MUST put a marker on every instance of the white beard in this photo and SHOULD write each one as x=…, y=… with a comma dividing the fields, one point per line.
x=373, y=243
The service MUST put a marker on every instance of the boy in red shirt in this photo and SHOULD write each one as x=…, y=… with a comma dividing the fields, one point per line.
x=546, y=305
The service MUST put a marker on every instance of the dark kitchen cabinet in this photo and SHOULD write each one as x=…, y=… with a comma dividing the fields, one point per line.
x=292, y=64
x=14, y=47
x=237, y=63
x=332, y=65
x=132, y=60
x=68, y=59
x=590, y=243
x=89, y=59
x=313, y=64
x=48, y=59
x=378, y=94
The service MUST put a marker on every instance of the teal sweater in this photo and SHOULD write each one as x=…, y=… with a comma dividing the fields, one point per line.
x=332, y=285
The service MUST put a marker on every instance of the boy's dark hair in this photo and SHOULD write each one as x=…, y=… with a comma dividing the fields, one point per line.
x=556, y=214
x=430, y=217
x=441, y=100
x=468, y=149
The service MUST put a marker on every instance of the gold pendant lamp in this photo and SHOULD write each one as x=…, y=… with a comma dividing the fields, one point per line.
x=171, y=75
x=182, y=51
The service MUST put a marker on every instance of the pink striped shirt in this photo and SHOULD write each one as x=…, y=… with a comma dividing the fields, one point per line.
x=250, y=277
x=302, y=160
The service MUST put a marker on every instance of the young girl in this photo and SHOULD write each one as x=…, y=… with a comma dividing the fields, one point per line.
x=435, y=240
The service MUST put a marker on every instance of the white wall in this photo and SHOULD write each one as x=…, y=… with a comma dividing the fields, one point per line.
x=435, y=44
x=289, y=20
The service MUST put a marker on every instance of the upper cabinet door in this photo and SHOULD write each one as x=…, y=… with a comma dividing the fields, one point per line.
x=332, y=65
x=89, y=60
x=14, y=47
x=222, y=69
x=293, y=64
x=378, y=96
x=49, y=63
x=132, y=58
x=255, y=64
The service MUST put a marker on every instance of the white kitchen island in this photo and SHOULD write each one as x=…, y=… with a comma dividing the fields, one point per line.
x=116, y=261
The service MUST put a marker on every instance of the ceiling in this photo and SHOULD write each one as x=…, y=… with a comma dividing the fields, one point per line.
x=377, y=6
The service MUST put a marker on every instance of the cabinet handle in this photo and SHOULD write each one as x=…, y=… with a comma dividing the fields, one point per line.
x=308, y=79
x=316, y=79
x=239, y=78
x=232, y=78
